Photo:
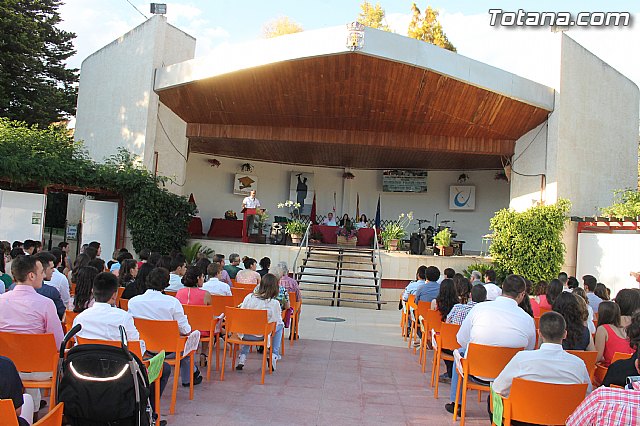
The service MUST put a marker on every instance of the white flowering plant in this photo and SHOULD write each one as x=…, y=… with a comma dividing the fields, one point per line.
x=295, y=226
x=396, y=230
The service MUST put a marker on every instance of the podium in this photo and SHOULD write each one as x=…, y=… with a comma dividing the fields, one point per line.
x=248, y=214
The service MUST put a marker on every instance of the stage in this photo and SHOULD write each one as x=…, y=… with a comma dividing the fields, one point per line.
x=398, y=268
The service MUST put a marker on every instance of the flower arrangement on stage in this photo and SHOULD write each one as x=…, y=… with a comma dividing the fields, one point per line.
x=230, y=215
x=348, y=231
x=261, y=220
x=295, y=226
x=396, y=231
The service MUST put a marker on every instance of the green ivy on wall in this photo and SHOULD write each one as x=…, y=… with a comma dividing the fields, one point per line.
x=29, y=156
x=530, y=243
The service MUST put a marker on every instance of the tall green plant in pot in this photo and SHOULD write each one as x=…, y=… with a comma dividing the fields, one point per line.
x=530, y=243
x=443, y=241
x=395, y=231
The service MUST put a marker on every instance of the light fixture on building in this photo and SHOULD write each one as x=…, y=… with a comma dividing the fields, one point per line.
x=159, y=8
x=213, y=162
x=348, y=175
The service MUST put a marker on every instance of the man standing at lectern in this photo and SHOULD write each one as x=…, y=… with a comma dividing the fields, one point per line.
x=250, y=202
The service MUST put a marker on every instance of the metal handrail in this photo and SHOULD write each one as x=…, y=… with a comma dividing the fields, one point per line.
x=376, y=246
x=304, y=242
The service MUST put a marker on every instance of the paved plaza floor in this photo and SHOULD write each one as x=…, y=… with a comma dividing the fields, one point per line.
x=341, y=373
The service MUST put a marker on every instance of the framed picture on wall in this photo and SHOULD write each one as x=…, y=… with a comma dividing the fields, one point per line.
x=462, y=197
x=243, y=184
x=301, y=190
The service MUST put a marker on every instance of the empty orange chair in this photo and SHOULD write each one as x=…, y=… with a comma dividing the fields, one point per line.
x=446, y=339
x=589, y=359
x=541, y=403
x=404, y=320
x=432, y=320
x=480, y=361
x=53, y=417
x=32, y=353
x=219, y=303
x=202, y=318
x=295, y=316
x=239, y=294
x=159, y=335
x=7, y=413
x=247, y=321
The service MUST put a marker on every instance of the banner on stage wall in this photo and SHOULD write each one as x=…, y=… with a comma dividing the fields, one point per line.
x=462, y=197
x=301, y=190
x=244, y=184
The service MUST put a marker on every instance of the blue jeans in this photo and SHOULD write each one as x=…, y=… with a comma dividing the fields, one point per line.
x=454, y=380
x=276, y=341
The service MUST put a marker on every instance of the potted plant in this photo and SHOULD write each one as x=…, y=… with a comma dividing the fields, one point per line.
x=315, y=237
x=443, y=241
x=395, y=231
x=294, y=227
x=348, y=235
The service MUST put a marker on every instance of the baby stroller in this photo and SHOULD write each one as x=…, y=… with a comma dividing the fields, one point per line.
x=102, y=385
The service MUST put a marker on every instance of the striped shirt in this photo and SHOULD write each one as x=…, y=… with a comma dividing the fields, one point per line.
x=608, y=407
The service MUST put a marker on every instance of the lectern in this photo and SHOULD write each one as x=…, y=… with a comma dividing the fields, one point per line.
x=246, y=222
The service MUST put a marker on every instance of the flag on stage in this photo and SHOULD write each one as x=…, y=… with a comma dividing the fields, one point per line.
x=334, y=204
x=378, y=214
x=313, y=210
x=357, y=218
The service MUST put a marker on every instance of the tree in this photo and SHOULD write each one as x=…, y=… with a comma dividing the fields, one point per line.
x=280, y=26
x=35, y=85
x=427, y=28
x=372, y=16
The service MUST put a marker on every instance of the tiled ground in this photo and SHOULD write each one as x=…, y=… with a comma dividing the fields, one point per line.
x=329, y=377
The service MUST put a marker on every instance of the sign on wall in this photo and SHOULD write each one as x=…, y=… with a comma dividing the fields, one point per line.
x=404, y=181
x=243, y=184
x=301, y=190
x=462, y=197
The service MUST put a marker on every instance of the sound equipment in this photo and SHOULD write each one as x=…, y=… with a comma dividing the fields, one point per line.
x=277, y=235
x=417, y=243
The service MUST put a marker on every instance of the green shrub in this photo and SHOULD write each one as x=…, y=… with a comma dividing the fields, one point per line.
x=530, y=243
x=626, y=204
x=480, y=267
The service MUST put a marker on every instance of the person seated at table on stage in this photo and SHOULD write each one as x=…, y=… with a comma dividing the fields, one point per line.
x=233, y=269
x=249, y=275
x=363, y=222
x=345, y=219
x=250, y=202
x=329, y=220
x=215, y=285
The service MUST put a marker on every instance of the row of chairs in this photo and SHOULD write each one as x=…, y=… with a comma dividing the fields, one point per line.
x=487, y=361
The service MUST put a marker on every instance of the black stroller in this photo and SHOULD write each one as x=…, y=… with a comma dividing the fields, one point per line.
x=102, y=385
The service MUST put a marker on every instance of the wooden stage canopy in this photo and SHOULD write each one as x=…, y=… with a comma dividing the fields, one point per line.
x=309, y=99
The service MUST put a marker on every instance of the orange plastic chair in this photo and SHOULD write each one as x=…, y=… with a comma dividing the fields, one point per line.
x=295, y=317
x=239, y=294
x=247, y=321
x=413, y=330
x=159, y=335
x=245, y=286
x=430, y=320
x=541, y=403
x=32, y=353
x=601, y=371
x=202, y=318
x=446, y=339
x=136, y=349
x=7, y=413
x=233, y=282
x=170, y=293
x=589, y=359
x=120, y=291
x=544, y=311
x=69, y=316
x=72, y=290
x=404, y=320
x=219, y=304
x=123, y=304
x=53, y=417
x=480, y=361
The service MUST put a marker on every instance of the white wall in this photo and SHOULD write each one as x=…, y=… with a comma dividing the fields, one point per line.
x=116, y=102
x=213, y=191
x=17, y=210
x=609, y=258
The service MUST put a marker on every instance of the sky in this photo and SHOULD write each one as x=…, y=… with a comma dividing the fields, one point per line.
x=215, y=23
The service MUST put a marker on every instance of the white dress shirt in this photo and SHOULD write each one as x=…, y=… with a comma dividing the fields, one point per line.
x=251, y=203
x=272, y=306
x=217, y=287
x=102, y=322
x=60, y=283
x=590, y=325
x=549, y=364
x=157, y=306
x=498, y=323
x=175, y=282
x=493, y=291
x=328, y=222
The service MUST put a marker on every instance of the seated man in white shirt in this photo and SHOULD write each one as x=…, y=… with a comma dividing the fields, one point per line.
x=102, y=321
x=155, y=305
x=215, y=286
x=549, y=364
x=497, y=323
x=493, y=291
x=329, y=220
x=178, y=269
x=58, y=280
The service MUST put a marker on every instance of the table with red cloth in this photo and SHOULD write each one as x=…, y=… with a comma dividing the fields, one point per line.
x=195, y=227
x=223, y=228
x=330, y=234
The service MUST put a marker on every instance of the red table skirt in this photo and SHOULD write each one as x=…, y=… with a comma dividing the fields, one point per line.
x=330, y=235
x=223, y=228
x=195, y=227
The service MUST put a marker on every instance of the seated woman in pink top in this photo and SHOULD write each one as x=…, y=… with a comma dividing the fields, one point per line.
x=192, y=294
x=249, y=275
x=281, y=271
x=611, y=336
